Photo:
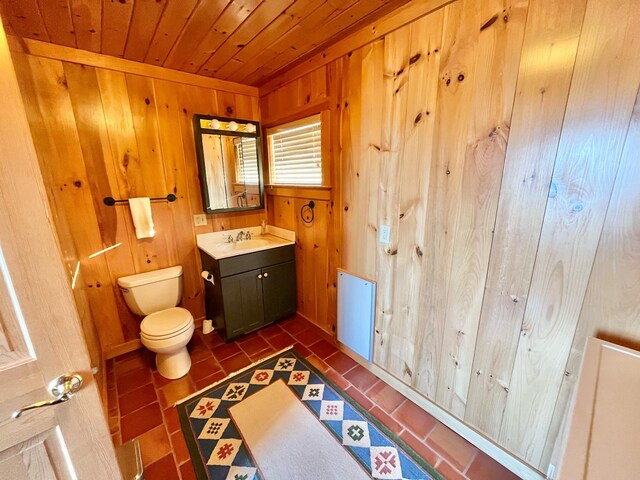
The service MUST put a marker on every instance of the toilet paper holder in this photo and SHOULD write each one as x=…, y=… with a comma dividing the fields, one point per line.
x=208, y=276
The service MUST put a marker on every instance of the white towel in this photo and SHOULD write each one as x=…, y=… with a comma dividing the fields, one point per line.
x=141, y=214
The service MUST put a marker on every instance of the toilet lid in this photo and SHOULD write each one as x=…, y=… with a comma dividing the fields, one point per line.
x=166, y=322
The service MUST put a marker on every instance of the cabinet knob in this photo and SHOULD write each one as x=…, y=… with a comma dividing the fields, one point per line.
x=259, y=275
x=266, y=275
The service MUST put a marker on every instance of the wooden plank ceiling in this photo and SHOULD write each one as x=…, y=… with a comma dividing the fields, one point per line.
x=247, y=41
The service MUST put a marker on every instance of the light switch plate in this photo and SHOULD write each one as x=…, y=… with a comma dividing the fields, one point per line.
x=200, y=220
x=385, y=234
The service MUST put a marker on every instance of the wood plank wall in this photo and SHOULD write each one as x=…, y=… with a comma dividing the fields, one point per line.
x=103, y=132
x=499, y=141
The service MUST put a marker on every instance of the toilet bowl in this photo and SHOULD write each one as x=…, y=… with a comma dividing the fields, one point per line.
x=166, y=329
x=167, y=333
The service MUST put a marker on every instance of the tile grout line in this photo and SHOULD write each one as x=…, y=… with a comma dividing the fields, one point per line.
x=470, y=463
x=430, y=432
x=398, y=408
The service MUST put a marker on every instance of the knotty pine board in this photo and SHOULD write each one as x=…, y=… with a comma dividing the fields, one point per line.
x=57, y=22
x=611, y=310
x=543, y=88
x=394, y=97
x=418, y=167
x=169, y=28
x=493, y=79
x=142, y=27
x=354, y=184
x=333, y=79
x=605, y=82
x=27, y=18
x=118, y=16
x=422, y=65
x=87, y=23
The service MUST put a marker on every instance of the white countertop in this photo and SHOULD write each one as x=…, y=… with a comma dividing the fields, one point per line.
x=216, y=244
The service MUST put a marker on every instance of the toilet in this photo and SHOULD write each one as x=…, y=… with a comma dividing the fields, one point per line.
x=166, y=329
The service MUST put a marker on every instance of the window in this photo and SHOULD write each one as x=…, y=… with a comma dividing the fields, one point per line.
x=295, y=152
x=247, y=160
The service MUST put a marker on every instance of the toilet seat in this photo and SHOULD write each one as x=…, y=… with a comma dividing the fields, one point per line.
x=166, y=323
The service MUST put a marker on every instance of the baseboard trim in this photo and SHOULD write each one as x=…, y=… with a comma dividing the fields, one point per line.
x=517, y=466
x=329, y=335
x=122, y=348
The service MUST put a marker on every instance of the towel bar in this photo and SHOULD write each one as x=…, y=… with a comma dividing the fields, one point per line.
x=110, y=201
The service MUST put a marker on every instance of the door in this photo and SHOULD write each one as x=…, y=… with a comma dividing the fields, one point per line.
x=603, y=424
x=279, y=291
x=242, y=297
x=40, y=333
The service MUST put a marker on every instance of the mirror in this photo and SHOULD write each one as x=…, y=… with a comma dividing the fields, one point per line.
x=230, y=165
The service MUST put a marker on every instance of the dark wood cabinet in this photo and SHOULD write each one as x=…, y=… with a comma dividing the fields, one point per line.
x=243, y=302
x=279, y=291
x=250, y=290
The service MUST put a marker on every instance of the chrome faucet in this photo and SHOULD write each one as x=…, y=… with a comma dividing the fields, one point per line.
x=240, y=236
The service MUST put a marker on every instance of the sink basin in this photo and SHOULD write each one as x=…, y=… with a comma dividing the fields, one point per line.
x=216, y=245
x=242, y=246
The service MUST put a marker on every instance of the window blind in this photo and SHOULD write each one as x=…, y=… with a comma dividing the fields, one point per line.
x=247, y=166
x=296, y=152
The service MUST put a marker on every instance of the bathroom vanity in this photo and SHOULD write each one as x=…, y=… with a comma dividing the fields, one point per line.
x=251, y=281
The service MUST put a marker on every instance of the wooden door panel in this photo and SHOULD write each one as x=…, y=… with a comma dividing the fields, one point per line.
x=15, y=344
x=19, y=370
x=37, y=458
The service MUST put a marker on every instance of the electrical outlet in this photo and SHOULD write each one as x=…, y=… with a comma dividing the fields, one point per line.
x=200, y=220
x=385, y=234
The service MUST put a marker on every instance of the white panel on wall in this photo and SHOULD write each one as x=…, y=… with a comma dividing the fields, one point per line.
x=356, y=302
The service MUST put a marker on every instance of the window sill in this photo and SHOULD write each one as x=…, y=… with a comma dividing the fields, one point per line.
x=314, y=192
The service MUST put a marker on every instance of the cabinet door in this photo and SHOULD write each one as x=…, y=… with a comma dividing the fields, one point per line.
x=279, y=291
x=242, y=298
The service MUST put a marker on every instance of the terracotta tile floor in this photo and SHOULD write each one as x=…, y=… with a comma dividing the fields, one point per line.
x=140, y=401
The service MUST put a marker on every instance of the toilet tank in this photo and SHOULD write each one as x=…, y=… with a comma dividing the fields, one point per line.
x=150, y=292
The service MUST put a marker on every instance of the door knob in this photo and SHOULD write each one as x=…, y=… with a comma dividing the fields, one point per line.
x=62, y=388
x=265, y=275
x=259, y=275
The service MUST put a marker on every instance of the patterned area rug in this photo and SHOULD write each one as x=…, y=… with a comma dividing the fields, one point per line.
x=219, y=448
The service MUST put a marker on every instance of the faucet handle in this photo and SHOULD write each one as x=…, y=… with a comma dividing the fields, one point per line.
x=247, y=235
